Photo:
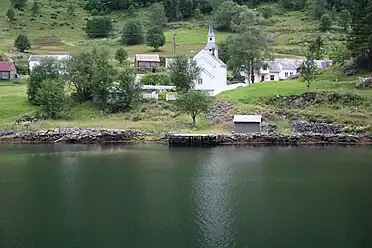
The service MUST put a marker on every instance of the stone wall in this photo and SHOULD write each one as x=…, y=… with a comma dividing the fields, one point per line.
x=73, y=135
x=267, y=139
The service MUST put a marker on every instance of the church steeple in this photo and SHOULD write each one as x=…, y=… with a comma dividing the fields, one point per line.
x=211, y=36
x=211, y=43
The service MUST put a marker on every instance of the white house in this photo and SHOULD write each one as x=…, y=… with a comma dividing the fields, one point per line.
x=213, y=76
x=280, y=69
x=35, y=60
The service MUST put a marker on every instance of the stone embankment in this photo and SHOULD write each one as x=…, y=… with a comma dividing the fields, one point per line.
x=267, y=139
x=91, y=136
x=74, y=135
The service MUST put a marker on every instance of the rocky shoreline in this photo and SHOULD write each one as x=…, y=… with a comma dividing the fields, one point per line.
x=102, y=136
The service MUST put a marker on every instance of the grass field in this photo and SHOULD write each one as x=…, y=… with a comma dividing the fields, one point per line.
x=252, y=99
x=163, y=117
x=53, y=30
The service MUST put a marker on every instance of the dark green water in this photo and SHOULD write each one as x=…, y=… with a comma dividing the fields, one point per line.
x=154, y=196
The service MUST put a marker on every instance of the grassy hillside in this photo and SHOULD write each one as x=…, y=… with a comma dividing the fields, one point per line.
x=255, y=99
x=55, y=31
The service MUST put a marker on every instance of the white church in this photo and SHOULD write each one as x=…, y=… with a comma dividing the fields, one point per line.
x=213, y=76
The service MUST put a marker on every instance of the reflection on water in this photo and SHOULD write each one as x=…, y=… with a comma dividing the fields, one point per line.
x=154, y=196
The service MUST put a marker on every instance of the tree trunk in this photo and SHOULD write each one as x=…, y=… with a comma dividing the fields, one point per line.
x=193, y=121
x=252, y=75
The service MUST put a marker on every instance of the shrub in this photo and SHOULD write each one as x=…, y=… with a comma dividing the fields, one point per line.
x=98, y=27
x=52, y=99
x=326, y=22
x=132, y=33
x=22, y=43
x=155, y=79
x=47, y=70
x=162, y=95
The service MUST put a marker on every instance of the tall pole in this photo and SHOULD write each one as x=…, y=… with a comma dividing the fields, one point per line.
x=174, y=43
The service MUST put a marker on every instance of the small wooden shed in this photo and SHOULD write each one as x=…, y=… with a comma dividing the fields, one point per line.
x=247, y=123
x=8, y=70
x=147, y=61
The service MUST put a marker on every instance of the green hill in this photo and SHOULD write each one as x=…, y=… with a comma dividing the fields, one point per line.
x=54, y=30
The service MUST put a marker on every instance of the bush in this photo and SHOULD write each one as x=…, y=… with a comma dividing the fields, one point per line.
x=47, y=70
x=98, y=27
x=155, y=79
x=53, y=101
x=132, y=33
x=326, y=22
x=162, y=95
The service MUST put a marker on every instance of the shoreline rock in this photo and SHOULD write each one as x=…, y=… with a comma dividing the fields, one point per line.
x=106, y=136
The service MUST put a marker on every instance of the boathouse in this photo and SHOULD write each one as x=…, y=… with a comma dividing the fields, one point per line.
x=247, y=123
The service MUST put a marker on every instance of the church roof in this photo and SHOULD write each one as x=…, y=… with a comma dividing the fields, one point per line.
x=213, y=58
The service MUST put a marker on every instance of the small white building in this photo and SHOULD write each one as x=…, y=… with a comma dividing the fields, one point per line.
x=35, y=60
x=213, y=76
x=247, y=123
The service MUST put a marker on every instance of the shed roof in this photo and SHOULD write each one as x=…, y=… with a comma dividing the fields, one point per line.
x=6, y=66
x=148, y=57
x=248, y=118
x=55, y=56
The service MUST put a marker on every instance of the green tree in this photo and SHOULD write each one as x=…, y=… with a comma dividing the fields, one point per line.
x=319, y=8
x=183, y=73
x=345, y=19
x=224, y=15
x=155, y=79
x=98, y=27
x=308, y=68
x=325, y=22
x=193, y=103
x=53, y=101
x=90, y=74
x=155, y=38
x=338, y=53
x=10, y=14
x=248, y=48
x=47, y=70
x=157, y=15
x=317, y=48
x=121, y=55
x=18, y=4
x=359, y=39
x=22, y=43
x=35, y=9
x=132, y=33
x=126, y=93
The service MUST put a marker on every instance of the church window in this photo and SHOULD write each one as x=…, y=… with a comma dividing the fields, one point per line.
x=210, y=39
x=264, y=67
x=272, y=77
x=200, y=81
x=286, y=74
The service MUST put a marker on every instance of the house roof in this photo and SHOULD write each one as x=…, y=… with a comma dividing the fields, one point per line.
x=289, y=64
x=55, y=56
x=248, y=118
x=273, y=66
x=6, y=66
x=148, y=57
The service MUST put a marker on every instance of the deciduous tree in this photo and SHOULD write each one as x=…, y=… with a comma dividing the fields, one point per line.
x=183, y=73
x=22, y=43
x=325, y=22
x=308, y=67
x=98, y=27
x=132, y=33
x=193, y=103
x=155, y=38
x=157, y=15
x=121, y=55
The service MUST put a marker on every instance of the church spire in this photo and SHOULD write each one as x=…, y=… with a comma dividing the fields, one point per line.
x=211, y=28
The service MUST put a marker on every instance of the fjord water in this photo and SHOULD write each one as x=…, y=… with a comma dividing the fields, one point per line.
x=155, y=196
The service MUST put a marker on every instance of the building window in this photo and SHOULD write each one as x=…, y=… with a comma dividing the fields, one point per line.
x=291, y=73
x=264, y=67
x=272, y=77
x=210, y=39
x=200, y=81
x=286, y=74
